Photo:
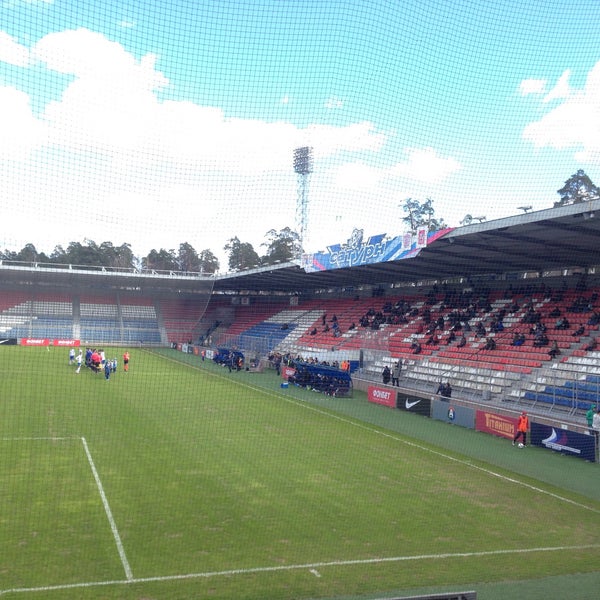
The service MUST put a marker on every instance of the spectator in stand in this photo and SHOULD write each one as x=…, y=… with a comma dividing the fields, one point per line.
x=444, y=390
x=462, y=342
x=541, y=339
x=518, y=339
x=416, y=347
x=579, y=331
x=591, y=345
x=433, y=340
x=490, y=344
x=554, y=350
x=480, y=329
x=562, y=323
x=594, y=319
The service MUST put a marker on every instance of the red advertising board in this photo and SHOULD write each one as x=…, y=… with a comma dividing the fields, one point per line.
x=66, y=343
x=495, y=424
x=48, y=342
x=381, y=395
x=35, y=342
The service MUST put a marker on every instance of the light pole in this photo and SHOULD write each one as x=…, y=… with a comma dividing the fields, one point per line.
x=303, y=165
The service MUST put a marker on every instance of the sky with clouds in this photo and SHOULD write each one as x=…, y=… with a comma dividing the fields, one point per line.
x=159, y=122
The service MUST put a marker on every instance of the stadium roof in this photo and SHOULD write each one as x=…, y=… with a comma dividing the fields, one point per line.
x=546, y=240
x=557, y=238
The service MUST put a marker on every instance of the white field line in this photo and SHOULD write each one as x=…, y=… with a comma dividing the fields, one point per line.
x=37, y=439
x=310, y=567
x=113, y=525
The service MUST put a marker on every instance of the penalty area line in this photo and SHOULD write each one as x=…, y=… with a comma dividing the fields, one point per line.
x=109, y=515
x=310, y=567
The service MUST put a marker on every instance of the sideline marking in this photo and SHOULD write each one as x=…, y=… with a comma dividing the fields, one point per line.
x=397, y=437
x=307, y=566
x=113, y=525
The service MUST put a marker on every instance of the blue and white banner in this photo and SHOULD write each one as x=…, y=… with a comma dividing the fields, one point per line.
x=376, y=249
x=563, y=440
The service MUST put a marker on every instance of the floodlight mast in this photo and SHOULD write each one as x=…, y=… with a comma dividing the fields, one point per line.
x=303, y=166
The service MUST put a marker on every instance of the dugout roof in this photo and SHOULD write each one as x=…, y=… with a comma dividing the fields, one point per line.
x=546, y=240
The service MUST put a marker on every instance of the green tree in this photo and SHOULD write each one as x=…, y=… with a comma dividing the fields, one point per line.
x=209, y=263
x=8, y=254
x=282, y=246
x=578, y=188
x=86, y=254
x=188, y=259
x=58, y=255
x=160, y=260
x=29, y=254
x=116, y=256
x=242, y=255
x=421, y=214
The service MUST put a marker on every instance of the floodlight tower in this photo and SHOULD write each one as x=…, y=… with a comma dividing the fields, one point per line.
x=303, y=165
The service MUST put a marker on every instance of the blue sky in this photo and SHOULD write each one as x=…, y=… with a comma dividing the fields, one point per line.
x=155, y=123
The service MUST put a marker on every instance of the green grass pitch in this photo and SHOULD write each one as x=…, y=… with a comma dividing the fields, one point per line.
x=180, y=480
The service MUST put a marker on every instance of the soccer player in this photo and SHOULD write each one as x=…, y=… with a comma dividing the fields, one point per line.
x=522, y=428
x=71, y=356
x=126, y=361
x=78, y=361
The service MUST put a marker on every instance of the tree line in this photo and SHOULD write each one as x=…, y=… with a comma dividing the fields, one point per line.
x=279, y=246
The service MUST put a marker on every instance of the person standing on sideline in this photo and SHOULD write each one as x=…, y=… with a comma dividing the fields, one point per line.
x=522, y=428
x=596, y=423
x=126, y=361
x=589, y=417
x=396, y=373
x=386, y=375
x=107, y=370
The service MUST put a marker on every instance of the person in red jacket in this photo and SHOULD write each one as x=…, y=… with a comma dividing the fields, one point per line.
x=522, y=428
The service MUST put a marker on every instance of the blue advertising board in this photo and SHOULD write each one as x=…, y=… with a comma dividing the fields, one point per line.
x=564, y=441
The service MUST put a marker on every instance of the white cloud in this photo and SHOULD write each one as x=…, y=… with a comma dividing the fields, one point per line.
x=114, y=162
x=12, y=52
x=561, y=90
x=574, y=122
x=532, y=86
x=21, y=132
x=358, y=176
x=333, y=103
x=425, y=165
